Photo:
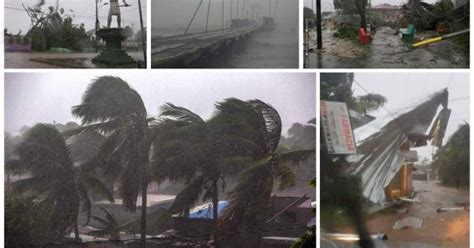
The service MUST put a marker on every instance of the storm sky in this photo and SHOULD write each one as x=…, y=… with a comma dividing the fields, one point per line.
x=47, y=97
x=406, y=89
x=164, y=12
x=82, y=11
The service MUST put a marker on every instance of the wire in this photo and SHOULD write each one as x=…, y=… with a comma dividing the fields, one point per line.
x=392, y=115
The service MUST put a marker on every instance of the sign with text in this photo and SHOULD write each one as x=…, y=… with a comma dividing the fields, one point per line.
x=337, y=128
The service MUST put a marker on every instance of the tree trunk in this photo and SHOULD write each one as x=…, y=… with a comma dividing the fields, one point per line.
x=360, y=5
x=215, y=209
x=76, y=230
x=355, y=210
x=143, y=217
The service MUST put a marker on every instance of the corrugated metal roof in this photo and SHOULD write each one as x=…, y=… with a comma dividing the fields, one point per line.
x=378, y=153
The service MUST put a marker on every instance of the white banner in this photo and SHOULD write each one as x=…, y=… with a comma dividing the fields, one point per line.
x=337, y=128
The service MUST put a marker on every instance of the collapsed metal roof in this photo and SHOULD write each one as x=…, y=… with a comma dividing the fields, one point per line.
x=379, y=155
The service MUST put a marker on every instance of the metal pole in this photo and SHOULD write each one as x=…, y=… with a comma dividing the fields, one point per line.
x=96, y=24
x=318, y=25
x=231, y=14
x=142, y=30
x=192, y=19
x=208, y=9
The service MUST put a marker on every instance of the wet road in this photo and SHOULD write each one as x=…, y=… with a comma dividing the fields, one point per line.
x=386, y=51
x=23, y=60
x=446, y=229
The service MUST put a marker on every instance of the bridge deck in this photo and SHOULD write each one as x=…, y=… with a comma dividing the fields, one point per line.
x=170, y=50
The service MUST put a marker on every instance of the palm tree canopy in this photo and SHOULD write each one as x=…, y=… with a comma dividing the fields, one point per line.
x=111, y=107
x=44, y=155
x=109, y=98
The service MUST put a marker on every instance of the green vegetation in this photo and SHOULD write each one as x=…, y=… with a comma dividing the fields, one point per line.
x=346, y=31
x=28, y=221
x=131, y=150
x=452, y=160
x=54, y=180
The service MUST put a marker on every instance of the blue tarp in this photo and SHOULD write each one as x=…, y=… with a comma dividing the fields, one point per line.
x=206, y=211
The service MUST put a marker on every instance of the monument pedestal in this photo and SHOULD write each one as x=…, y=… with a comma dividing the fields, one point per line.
x=113, y=54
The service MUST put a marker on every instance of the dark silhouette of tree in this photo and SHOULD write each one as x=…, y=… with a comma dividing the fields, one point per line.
x=53, y=179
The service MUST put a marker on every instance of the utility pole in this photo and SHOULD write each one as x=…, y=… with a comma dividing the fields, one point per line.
x=318, y=25
x=142, y=30
x=231, y=20
x=96, y=23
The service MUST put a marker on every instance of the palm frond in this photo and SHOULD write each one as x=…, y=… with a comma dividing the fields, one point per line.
x=170, y=110
x=272, y=122
x=285, y=176
x=296, y=157
x=107, y=98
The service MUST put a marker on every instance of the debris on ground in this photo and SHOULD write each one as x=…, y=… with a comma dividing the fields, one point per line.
x=447, y=209
x=408, y=222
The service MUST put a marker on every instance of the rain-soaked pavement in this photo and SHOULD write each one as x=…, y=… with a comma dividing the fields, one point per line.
x=54, y=60
x=445, y=229
x=387, y=50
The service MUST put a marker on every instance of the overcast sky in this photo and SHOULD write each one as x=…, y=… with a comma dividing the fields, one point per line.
x=16, y=18
x=164, y=15
x=406, y=89
x=47, y=97
x=327, y=5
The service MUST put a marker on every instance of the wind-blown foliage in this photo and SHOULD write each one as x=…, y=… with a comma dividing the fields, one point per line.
x=45, y=157
x=110, y=226
x=452, y=160
x=111, y=107
x=193, y=150
x=250, y=200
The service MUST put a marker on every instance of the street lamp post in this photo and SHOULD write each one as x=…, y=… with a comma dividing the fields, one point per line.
x=142, y=30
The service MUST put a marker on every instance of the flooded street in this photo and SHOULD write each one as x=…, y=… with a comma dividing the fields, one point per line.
x=387, y=50
x=445, y=229
x=78, y=60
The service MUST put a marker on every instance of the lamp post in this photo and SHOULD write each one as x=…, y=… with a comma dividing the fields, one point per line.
x=142, y=30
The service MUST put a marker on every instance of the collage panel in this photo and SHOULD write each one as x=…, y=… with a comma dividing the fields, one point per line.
x=189, y=159
x=394, y=159
x=89, y=34
x=225, y=34
x=386, y=34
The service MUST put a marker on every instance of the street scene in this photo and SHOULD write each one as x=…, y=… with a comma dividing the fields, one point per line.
x=71, y=34
x=386, y=34
x=224, y=34
x=138, y=160
x=395, y=160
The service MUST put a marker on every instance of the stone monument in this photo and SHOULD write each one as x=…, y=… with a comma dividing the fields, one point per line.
x=113, y=55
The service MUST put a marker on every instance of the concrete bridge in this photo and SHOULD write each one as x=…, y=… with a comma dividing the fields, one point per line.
x=193, y=50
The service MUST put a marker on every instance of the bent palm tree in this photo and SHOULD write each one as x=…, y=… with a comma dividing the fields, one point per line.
x=260, y=124
x=54, y=179
x=111, y=107
x=190, y=149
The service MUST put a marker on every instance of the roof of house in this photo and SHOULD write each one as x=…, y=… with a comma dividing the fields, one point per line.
x=379, y=156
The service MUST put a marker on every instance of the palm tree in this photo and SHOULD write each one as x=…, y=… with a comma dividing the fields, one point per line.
x=111, y=107
x=109, y=224
x=258, y=123
x=192, y=150
x=53, y=178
